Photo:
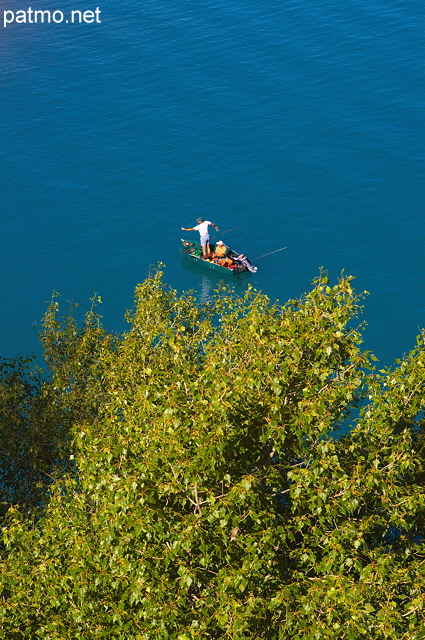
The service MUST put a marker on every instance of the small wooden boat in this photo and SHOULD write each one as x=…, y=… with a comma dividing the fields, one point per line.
x=239, y=262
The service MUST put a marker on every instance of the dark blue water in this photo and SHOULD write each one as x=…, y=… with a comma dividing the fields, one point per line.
x=300, y=123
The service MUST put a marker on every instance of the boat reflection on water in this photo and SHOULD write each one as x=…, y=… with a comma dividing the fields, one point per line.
x=207, y=289
x=210, y=282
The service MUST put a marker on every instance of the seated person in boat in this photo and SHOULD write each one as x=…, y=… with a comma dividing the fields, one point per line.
x=220, y=250
x=219, y=255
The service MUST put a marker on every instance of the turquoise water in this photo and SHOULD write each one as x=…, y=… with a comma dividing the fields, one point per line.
x=299, y=123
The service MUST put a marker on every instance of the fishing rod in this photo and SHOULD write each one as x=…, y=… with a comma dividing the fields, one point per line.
x=224, y=233
x=194, y=246
x=216, y=236
x=234, y=236
x=268, y=254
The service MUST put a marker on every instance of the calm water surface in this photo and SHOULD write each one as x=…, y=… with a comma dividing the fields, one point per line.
x=299, y=123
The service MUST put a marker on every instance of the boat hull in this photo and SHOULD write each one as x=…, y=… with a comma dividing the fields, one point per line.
x=193, y=253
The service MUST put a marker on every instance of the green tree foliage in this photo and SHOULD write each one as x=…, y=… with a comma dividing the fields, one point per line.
x=195, y=488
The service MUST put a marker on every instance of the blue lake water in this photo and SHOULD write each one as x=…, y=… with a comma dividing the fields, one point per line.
x=300, y=123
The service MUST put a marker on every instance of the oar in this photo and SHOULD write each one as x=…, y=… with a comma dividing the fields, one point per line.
x=268, y=254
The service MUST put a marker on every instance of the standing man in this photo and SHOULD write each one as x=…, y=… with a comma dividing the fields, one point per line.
x=202, y=227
